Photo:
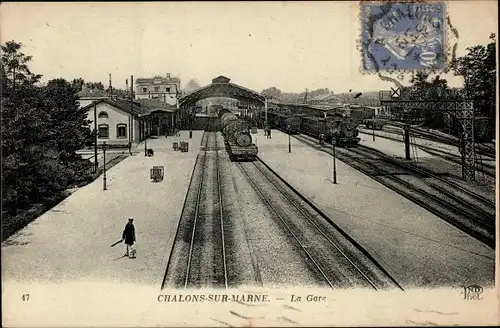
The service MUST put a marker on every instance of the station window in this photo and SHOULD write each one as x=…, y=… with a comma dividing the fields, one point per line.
x=157, y=89
x=167, y=89
x=103, y=131
x=144, y=89
x=121, y=130
x=103, y=115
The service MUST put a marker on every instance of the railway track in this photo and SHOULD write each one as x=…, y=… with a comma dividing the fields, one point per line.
x=444, y=184
x=198, y=257
x=336, y=261
x=482, y=149
x=489, y=170
x=466, y=211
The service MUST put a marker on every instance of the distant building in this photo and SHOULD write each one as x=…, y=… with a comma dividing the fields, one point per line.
x=326, y=99
x=165, y=89
x=87, y=96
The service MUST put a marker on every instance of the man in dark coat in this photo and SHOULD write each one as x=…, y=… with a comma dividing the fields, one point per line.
x=129, y=237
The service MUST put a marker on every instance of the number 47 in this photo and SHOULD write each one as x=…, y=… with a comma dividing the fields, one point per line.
x=25, y=297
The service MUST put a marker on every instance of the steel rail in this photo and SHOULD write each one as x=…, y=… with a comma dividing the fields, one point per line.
x=307, y=216
x=197, y=208
x=221, y=211
x=276, y=212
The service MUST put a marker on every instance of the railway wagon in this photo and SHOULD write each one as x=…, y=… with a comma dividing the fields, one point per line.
x=375, y=124
x=286, y=122
x=237, y=137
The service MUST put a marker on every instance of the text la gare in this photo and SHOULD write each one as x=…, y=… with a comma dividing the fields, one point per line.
x=308, y=298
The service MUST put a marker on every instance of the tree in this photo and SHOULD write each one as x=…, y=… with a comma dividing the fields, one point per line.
x=95, y=85
x=432, y=90
x=191, y=86
x=78, y=84
x=15, y=65
x=24, y=134
x=41, y=129
x=271, y=92
x=478, y=68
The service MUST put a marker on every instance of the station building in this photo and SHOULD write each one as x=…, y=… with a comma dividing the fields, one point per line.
x=165, y=89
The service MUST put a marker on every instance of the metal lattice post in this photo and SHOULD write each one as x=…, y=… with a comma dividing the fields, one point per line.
x=465, y=113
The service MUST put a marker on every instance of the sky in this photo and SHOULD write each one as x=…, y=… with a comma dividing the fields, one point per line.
x=289, y=45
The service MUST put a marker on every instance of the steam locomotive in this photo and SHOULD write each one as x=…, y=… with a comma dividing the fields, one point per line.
x=342, y=128
x=237, y=137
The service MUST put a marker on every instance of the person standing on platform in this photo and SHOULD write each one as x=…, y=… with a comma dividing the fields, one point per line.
x=269, y=131
x=129, y=237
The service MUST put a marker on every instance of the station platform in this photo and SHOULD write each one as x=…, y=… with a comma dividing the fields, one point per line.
x=416, y=247
x=483, y=185
x=72, y=242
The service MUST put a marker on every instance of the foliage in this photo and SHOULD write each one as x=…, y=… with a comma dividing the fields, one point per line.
x=191, y=86
x=478, y=68
x=95, y=85
x=271, y=92
x=41, y=129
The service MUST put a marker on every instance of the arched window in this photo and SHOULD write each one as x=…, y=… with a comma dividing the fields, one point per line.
x=104, y=131
x=121, y=130
x=103, y=115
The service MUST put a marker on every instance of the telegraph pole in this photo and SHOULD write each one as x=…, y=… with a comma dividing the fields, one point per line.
x=104, y=187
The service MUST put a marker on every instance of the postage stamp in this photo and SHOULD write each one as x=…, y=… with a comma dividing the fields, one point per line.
x=403, y=36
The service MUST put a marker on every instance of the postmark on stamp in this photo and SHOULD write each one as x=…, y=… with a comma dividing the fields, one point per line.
x=403, y=36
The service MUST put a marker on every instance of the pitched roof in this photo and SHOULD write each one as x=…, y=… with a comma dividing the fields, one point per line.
x=123, y=104
x=327, y=96
x=92, y=93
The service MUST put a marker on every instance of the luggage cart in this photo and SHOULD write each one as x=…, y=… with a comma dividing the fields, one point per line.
x=156, y=173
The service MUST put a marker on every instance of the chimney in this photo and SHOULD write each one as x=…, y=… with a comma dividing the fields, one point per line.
x=132, y=86
x=126, y=84
x=110, y=87
x=168, y=75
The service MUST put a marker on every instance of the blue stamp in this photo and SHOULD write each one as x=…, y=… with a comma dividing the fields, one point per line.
x=399, y=36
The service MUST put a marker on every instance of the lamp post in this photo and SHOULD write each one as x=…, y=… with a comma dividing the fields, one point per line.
x=334, y=141
x=104, y=147
x=373, y=128
x=265, y=108
x=289, y=139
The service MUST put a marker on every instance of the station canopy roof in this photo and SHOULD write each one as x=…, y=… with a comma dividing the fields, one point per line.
x=220, y=87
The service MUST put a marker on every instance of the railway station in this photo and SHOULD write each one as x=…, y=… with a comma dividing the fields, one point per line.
x=236, y=196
